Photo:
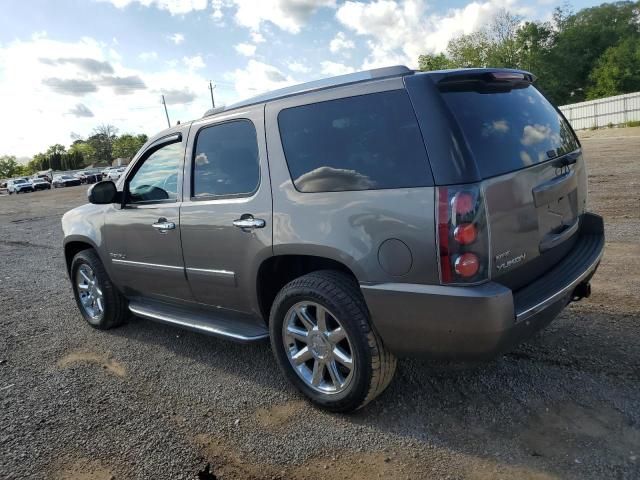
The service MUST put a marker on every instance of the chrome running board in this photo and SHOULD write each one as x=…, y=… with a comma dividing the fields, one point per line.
x=239, y=329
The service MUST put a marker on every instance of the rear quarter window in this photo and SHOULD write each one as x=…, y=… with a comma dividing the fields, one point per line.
x=511, y=130
x=366, y=142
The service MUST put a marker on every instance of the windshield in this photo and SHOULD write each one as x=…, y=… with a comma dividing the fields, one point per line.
x=67, y=177
x=19, y=181
x=510, y=130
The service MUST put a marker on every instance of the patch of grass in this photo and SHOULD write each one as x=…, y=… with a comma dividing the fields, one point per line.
x=633, y=123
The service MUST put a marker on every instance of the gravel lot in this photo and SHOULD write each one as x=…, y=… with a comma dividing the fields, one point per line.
x=149, y=401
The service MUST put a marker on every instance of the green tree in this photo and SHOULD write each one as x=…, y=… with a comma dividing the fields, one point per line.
x=533, y=41
x=428, y=62
x=40, y=161
x=9, y=167
x=579, y=41
x=85, y=150
x=617, y=70
x=56, y=154
x=102, y=142
x=127, y=145
x=471, y=50
x=589, y=53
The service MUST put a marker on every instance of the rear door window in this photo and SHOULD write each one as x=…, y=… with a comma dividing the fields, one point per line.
x=510, y=130
x=226, y=160
x=366, y=142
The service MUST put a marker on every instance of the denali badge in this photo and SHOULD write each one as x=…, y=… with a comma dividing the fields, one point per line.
x=500, y=256
x=118, y=256
x=510, y=263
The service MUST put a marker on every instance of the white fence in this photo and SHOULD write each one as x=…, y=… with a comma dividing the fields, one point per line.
x=603, y=112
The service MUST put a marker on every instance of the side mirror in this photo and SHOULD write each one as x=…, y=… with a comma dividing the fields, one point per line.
x=102, y=193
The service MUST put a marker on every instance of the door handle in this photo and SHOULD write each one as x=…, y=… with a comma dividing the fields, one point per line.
x=163, y=226
x=247, y=222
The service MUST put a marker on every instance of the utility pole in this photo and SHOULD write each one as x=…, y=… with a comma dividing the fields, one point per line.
x=211, y=87
x=165, y=111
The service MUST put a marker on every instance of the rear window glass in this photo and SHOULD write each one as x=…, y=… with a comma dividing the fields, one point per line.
x=507, y=131
x=358, y=143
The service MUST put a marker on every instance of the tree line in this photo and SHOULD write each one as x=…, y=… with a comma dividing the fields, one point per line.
x=98, y=150
x=589, y=54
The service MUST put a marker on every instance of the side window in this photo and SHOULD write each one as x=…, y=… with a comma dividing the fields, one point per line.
x=366, y=142
x=157, y=178
x=226, y=160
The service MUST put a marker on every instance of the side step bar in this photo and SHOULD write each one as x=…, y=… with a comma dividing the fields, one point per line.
x=238, y=329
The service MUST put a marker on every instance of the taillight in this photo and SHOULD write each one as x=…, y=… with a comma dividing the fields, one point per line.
x=463, y=240
x=465, y=234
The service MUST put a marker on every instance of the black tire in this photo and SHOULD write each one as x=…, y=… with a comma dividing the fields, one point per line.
x=340, y=295
x=116, y=310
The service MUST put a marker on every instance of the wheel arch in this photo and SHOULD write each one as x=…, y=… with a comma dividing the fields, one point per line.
x=75, y=244
x=276, y=271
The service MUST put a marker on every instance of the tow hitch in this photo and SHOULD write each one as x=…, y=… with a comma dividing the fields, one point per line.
x=583, y=290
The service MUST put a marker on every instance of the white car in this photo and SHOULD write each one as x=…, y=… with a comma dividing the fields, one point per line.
x=19, y=185
x=114, y=173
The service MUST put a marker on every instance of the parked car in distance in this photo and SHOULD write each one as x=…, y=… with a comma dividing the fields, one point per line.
x=114, y=173
x=348, y=246
x=40, y=184
x=88, y=176
x=19, y=185
x=43, y=176
x=65, y=181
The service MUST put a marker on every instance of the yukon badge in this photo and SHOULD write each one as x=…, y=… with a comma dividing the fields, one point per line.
x=509, y=263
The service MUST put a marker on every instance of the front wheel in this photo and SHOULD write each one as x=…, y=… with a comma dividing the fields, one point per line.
x=100, y=303
x=324, y=343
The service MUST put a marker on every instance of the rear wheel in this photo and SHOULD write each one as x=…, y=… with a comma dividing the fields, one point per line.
x=324, y=343
x=100, y=303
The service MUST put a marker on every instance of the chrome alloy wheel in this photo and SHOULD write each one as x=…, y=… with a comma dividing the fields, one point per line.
x=89, y=291
x=318, y=347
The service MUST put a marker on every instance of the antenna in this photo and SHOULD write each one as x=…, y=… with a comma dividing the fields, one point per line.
x=211, y=87
x=165, y=111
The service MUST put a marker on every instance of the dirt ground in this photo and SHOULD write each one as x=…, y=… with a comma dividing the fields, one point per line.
x=150, y=401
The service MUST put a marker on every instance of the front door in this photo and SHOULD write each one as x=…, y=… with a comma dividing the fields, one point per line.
x=226, y=216
x=143, y=234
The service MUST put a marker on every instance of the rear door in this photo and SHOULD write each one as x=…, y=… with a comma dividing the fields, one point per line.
x=531, y=167
x=226, y=219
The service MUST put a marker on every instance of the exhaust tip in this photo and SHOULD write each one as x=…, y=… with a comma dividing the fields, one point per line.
x=583, y=290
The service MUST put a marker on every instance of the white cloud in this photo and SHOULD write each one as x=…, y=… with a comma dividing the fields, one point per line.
x=288, y=15
x=193, y=63
x=75, y=80
x=257, y=37
x=298, y=67
x=400, y=30
x=175, y=7
x=258, y=77
x=246, y=49
x=334, y=68
x=340, y=43
x=176, y=38
x=146, y=56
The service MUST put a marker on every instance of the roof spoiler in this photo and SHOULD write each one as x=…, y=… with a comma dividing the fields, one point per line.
x=484, y=78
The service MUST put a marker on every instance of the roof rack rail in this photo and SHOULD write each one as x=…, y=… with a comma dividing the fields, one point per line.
x=376, y=73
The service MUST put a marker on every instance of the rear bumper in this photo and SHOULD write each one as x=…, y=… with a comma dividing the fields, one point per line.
x=484, y=320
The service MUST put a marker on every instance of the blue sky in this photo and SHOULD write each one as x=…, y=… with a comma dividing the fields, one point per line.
x=68, y=65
